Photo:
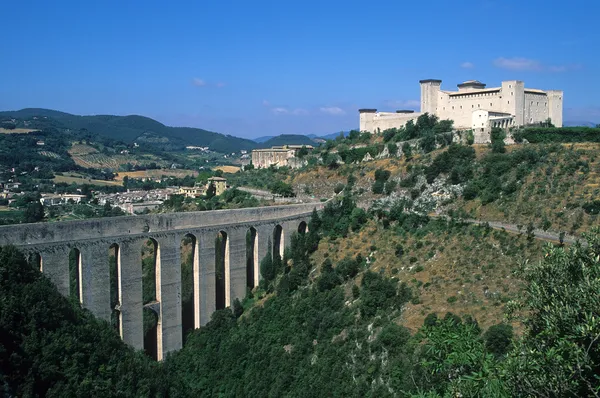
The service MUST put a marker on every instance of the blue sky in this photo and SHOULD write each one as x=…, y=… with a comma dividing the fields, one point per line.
x=252, y=68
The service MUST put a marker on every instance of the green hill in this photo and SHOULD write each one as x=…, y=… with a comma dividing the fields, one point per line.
x=287, y=139
x=129, y=129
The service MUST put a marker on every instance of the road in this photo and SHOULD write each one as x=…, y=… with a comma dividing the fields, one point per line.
x=549, y=236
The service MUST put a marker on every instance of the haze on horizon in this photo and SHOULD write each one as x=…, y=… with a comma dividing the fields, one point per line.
x=266, y=68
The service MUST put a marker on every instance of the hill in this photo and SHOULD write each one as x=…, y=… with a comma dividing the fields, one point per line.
x=129, y=129
x=287, y=139
x=313, y=137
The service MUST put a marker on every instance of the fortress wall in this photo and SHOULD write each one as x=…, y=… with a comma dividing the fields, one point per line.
x=388, y=120
x=264, y=158
x=536, y=108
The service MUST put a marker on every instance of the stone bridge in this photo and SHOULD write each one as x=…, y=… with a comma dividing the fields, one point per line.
x=236, y=239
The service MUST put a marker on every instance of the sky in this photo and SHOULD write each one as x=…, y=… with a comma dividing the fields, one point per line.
x=255, y=68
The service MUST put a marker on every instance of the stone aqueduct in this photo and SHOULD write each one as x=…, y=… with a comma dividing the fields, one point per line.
x=51, y=244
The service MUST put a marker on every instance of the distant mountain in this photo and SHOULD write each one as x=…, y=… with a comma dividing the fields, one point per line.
x=333, y=136
x=133, y=128
x=263, y=138
x=287, y=139
x=573, y=123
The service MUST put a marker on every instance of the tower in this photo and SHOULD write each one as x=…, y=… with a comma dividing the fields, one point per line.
x=429, y=95
x=366, y=119
x=555, y=107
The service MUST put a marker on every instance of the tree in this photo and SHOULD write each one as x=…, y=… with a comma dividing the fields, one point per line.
x=497, y=137
x=559, y=354
x=211, y=191
x=34, y=212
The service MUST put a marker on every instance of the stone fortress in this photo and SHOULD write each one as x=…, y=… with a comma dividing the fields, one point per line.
x=278, y=156
x=475, y=107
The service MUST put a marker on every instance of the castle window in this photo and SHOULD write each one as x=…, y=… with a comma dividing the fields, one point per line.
x=538, y=103
x=508, y=102
x=452, y=107
x=472, y=106
x=479, y=106
x=490, y=104
x=545, y=104
x=461, y=107
x=511, y=93
x=510, y=86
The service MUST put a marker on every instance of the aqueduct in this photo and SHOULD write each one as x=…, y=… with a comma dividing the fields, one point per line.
x=226, y=247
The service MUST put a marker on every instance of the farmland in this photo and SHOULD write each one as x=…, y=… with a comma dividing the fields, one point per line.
x=179, y=173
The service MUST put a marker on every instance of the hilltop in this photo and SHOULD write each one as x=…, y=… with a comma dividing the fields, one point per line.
x=129, y=129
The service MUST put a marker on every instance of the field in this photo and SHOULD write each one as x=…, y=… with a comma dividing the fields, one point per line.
x=228, y=169
x=15, y=131
x=179, y=173
x=88, y=156
x=77, y=179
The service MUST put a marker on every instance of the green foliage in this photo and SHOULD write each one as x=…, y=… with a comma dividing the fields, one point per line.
x=378, y=187
x=457, y=162
x=559, y=354
x=557, y=134
x=498, y=339
x=34, y=212
x=282, y=188
x=592, y=207
x=381, y=294
x=497, y=137
x=51, y=347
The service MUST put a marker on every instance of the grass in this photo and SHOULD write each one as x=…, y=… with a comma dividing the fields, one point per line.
x=75, y=179
x=465, y=271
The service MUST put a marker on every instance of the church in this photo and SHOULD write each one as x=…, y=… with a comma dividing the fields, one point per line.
x=475, y=107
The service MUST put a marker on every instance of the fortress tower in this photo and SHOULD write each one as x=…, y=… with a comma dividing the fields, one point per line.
x=429, y=95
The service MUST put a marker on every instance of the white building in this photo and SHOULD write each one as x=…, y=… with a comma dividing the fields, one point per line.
x=475, y=107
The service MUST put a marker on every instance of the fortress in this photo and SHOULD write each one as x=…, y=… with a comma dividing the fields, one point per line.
x=475, y=107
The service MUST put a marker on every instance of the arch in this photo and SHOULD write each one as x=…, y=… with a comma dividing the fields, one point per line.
x=75, y=288
x=35, y=259
x=190, y=284
x=150, y=258
x=252, y=258
x=114, y=264
x=278, y=241
x=302, y=227
x=221, y=270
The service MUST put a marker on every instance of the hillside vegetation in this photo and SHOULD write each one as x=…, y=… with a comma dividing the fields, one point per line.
x=129, y=129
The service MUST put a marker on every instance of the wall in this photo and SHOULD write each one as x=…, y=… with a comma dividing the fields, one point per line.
x=387, y=120
x=263, y=158
x=536, y=107
x=460, y=108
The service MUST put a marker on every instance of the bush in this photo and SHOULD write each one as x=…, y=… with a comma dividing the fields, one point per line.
x=339, y=188
x=378, y=187
x=498, y=339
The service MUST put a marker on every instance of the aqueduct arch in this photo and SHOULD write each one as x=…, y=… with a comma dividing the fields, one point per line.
x=110, y=271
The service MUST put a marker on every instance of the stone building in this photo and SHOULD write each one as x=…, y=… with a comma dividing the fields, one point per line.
x=277, y=155
x=220, y=184
x=475, y=107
